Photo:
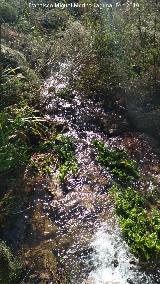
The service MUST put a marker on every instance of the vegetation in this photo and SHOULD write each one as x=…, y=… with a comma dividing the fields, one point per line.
x=10, y=269
x=117, y=162
x=139, y=221
x=65, y=149
x=19, y=128
x=110, y=56
x=140, y=227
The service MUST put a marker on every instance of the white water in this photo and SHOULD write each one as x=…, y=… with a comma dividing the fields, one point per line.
x=112, y=261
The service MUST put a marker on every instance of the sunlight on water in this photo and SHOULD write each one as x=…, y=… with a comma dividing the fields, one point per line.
x=75, y=221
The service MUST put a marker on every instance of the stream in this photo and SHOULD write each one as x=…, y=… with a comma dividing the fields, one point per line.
x=72, y=234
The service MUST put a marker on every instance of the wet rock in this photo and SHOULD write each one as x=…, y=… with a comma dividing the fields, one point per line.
x=115, y=262
x=61, y=126
x=113, y=124
x=86, y=252
x=130, y=281
x=133, y=261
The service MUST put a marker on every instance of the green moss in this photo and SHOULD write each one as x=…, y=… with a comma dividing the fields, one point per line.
x=10, y=269
x=117, y=161
x=140, y=228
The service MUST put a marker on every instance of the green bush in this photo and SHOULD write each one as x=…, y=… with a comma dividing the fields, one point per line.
x=13, y=147
x=117, y=162
x=15, y=88
x=24, y=26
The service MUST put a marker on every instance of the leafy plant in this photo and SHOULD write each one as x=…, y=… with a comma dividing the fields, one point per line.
x=65, y=149
x=13, y=148
x=141, y=229
x=117, y=162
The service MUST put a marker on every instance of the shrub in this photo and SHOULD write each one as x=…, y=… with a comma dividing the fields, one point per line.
x=13, y=147
x=55, y=19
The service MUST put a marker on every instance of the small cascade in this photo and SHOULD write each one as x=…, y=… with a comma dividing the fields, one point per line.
x=112, y=261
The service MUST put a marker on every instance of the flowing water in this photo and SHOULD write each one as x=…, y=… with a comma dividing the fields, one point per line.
x=72, y=234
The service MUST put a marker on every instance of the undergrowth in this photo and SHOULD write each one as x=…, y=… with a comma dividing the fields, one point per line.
x=21, y=127
x=117, y=162
x=58, y=151
x=139, y=221
x=66, y=154
x=140, y=227
x=10, y=269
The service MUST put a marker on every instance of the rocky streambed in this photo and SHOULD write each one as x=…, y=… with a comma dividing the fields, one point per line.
x=70, y=231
